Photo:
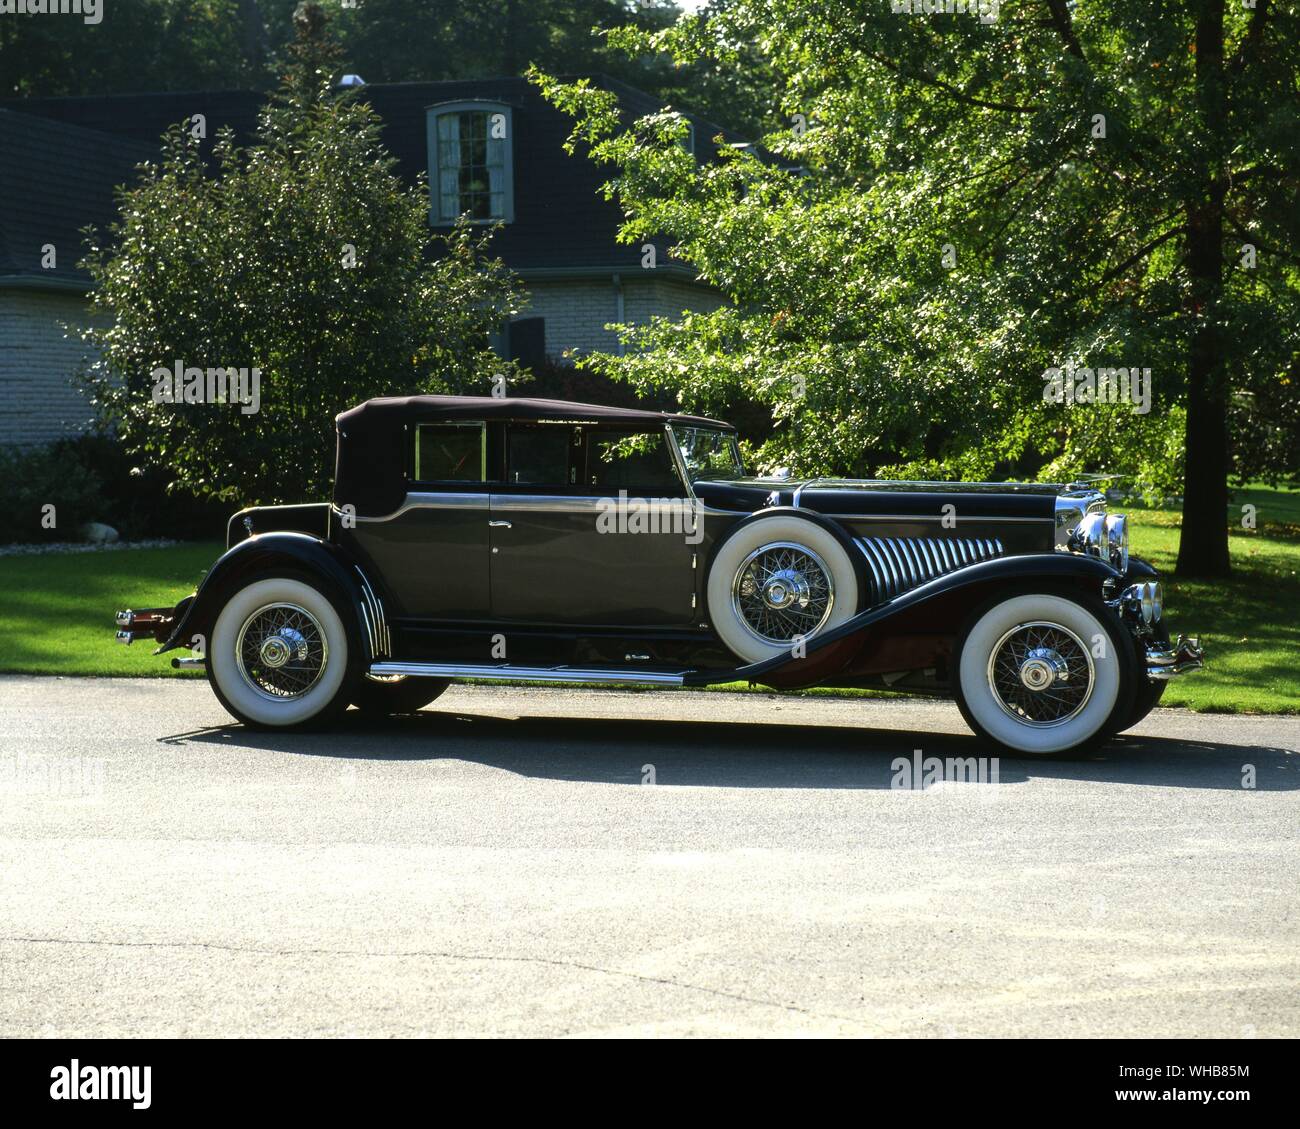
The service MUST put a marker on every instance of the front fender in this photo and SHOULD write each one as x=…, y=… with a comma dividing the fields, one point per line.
x=301, y=553
x=826, y=655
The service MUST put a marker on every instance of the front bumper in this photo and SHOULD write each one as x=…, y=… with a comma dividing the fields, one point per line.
x=1166, y=661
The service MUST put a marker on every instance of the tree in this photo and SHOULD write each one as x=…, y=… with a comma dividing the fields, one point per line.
x=305, y=257
x=959, y=206
x=143, y=45
x=148, y=45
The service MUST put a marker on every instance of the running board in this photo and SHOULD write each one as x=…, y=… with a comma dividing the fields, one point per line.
x=506, y=673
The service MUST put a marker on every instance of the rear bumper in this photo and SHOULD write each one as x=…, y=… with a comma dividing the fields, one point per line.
x=148, y=623
x=1167, y=661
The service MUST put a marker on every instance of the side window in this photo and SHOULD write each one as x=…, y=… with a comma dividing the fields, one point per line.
x=538, y=456
x=450, y=452
x=638, y=462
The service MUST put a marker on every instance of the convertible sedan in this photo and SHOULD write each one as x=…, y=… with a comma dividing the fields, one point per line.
x=543, y=541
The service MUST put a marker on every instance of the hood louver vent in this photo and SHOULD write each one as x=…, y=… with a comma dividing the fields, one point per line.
x=898, y=564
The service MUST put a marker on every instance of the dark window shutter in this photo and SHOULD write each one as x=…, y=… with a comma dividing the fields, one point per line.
x=528, y=341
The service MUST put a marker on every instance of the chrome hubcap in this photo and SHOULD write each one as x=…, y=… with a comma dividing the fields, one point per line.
x=785, y=588
x=1043, y=666
x=276, y=650
x=281, y=651
x=782, y=590
x=1041, y=673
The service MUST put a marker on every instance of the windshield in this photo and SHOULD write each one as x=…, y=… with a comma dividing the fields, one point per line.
x=708, y=452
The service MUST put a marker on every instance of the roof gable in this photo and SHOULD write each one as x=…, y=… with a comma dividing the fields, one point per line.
x=54, y=180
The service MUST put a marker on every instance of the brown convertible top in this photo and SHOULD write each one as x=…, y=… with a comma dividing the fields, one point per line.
x=370, y=463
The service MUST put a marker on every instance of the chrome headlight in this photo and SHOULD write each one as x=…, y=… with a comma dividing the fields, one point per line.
x=1145, y=599
x=1090, y=535
x=1117, y=541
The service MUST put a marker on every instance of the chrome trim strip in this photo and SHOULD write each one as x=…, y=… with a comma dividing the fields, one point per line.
x=814, y=483
x=418, y=500
x=370, y=634
x=506, y=673
x=877, y=573
x=583, y=503
x=377, y=613
x=931, y=560
x=940, y=517
x=679, y=461
x=886, y=553
x=905, y=562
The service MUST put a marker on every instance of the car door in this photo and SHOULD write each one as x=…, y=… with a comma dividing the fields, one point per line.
x=592, y=527
x=433, y=551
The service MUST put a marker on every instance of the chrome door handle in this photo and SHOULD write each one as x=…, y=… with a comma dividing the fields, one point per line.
x=499, y=525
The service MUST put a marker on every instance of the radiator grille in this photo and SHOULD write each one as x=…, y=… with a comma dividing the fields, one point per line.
x=898, y=564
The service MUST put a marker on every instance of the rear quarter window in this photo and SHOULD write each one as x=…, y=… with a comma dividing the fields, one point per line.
x=451, y=452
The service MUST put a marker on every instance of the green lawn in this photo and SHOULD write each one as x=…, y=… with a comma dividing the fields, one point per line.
x=1250, y=626
x=57, y=614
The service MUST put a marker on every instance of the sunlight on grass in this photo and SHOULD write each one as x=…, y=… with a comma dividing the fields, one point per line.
x=57, y=616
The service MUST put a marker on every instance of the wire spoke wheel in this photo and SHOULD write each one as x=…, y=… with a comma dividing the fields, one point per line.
x=1041, y=673
x=781, y=591
x=281, y=651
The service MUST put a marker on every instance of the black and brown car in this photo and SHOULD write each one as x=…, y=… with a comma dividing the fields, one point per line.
x=543, y=541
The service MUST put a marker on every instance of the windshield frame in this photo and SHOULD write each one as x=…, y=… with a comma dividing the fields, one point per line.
x=679, y=454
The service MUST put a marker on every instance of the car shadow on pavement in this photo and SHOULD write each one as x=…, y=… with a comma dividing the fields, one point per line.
x=754, y=755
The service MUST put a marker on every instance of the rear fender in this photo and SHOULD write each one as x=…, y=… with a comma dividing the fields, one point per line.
x=295, y=552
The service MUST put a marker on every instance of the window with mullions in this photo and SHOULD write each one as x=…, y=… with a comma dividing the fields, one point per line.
x=470, y=164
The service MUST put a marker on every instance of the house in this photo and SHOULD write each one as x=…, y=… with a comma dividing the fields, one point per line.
x=491, y=147
x=55, y=179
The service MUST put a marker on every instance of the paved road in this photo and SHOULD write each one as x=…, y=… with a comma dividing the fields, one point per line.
x=496, y=866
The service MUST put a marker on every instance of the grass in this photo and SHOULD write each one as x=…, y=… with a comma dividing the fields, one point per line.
x=57, y=615
x=1249, y=624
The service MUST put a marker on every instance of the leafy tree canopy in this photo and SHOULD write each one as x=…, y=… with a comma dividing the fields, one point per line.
x=953, y=207
x=142, y=45
x=304, y=256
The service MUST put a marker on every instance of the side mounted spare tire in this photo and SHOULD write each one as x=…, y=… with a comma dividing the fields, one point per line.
x=777, y=578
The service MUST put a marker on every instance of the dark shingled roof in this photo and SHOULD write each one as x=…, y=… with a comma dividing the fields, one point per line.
x=54, y=180
x=562, y=222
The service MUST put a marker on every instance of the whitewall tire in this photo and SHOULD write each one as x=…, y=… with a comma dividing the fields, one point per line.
x=1044, y=673
x=777, y=579
x=279, y=654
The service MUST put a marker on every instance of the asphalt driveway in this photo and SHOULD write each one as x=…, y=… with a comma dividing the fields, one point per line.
x=553, y=862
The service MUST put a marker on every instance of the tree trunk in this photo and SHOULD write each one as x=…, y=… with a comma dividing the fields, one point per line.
x=1203, y=545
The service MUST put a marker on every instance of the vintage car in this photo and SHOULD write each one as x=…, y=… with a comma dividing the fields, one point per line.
x=542, y=541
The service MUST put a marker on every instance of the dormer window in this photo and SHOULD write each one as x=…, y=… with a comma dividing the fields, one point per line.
x=471, y=168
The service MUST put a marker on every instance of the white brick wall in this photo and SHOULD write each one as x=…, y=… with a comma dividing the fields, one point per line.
x=645, y=296
x=577, y=310
x=38, y=359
